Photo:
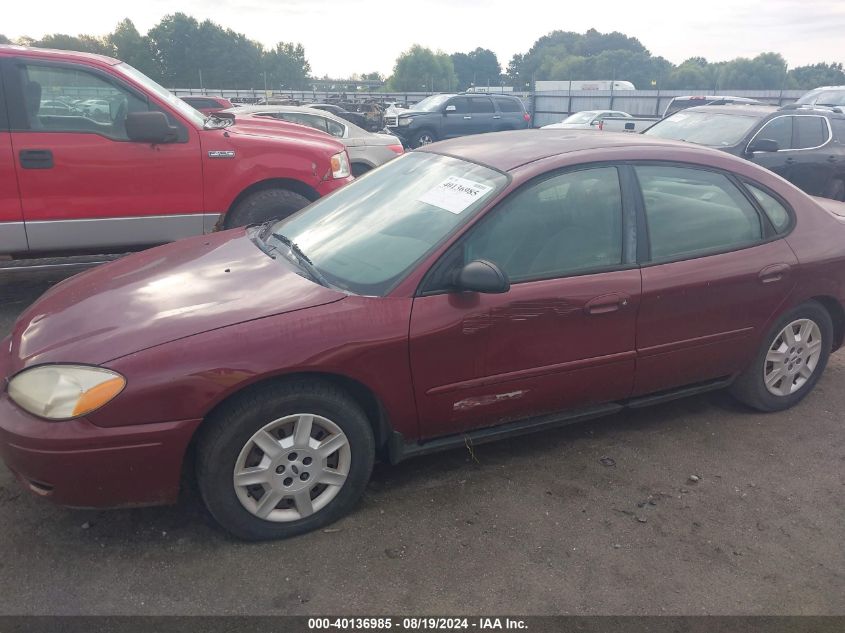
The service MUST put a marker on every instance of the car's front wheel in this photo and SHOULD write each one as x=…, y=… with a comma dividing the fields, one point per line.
x=791, y=360
x=423, y=137
x=283, y=460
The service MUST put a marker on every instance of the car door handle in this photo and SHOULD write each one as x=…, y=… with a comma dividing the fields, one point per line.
x=467, y=117
x=497, y=117
x=774, y=273
x=789, y=161
x=36, y=158
x=606, y=304
x=831, y=159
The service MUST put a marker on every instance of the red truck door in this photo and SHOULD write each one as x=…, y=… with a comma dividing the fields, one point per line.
x=83, y=184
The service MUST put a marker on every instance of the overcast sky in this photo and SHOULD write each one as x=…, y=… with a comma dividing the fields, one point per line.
x=342, y=37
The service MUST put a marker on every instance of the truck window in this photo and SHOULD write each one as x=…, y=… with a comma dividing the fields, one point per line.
x=94, y=105
x=461, y=105
x=810, y=132
x=509, y=105
x=481, y=105
x=778, y=129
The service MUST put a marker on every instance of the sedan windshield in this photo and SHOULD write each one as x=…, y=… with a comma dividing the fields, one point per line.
x=432, y=103
x=714, y=129
x=580, y=117
x=365, y=237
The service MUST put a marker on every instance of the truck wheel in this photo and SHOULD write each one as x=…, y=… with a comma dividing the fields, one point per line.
x=835, y=190
x=423, y=137
x=265, y=205
x=284, y=460
x=359, y=169
x=790, y=362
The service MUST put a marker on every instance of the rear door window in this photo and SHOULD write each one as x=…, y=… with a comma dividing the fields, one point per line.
x=481, y=105
x=809, y=132
x=694, y=212
x=776, y=212
x=509, y=105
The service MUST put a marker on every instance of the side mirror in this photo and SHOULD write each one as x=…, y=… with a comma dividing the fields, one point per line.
x=482, y=275
x=149, y=127
x=449, y=108
x=763, y=145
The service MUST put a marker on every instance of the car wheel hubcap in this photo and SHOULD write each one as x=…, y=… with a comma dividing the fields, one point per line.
x=292, y=467
x=792, y=358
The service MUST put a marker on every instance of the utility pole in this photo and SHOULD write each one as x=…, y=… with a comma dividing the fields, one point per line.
x=201, y=88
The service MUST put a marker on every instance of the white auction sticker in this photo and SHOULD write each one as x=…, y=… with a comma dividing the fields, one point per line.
x=455, y=194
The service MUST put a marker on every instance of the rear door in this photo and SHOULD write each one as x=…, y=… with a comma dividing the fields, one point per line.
x=715, y=270
x=83, y=184
x=484, y=115
x=12, y=232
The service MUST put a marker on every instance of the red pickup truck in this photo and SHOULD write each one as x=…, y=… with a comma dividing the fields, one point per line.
x=125, y=164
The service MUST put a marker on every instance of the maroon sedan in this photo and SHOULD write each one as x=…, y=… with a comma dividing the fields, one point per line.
x=482, y=287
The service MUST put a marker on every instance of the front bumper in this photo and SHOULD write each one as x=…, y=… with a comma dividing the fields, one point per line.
x=76, y=463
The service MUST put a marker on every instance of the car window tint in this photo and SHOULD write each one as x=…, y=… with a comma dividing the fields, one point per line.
x=693, y=211
x=776, y=212
x=509, y=105
x=481, y=105
x=778, y=129
x=810, y=131
x=461, y=105
x=562, y=225
x=93, y=104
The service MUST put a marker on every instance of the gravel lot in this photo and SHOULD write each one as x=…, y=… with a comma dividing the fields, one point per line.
x=595, y=518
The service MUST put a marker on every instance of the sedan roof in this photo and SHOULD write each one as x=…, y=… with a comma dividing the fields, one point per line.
x=506, y=151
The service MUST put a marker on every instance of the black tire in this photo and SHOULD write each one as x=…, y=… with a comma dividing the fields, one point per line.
x=750, y=387
x=359, y=169
x=231, y=427
x=265, y=205
x=423, y=137
x=835, y=190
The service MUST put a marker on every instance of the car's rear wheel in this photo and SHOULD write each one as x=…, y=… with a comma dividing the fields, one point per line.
x=265, y=205
x=284, y=460
x=423, y=137
x=790, y=362
x=359, y=169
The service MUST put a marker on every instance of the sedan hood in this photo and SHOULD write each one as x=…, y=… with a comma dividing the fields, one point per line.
x=160, y=295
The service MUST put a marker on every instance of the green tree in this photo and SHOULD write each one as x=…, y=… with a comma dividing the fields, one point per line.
x=128, y=45
x=815, y=75
x=420, y=68
x=479, y=67
x=174, y=46
x=4, y=39
x=286, y=67
x=83, y=43
x=766, y=71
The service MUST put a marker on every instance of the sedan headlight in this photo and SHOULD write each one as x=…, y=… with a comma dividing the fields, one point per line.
x=340, y=165
x=405, y=121
x=62, y=392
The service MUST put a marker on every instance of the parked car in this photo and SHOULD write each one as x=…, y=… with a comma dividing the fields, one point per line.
x=682, y=103
x=373, y=115
x=831, y=96
x=149, y=169
x=449, y=115
x=366, y=150
x=805, y=147
x=207, y=104
x=57, y=108
x=468, y=291
x=587, y=119
x=353, y=117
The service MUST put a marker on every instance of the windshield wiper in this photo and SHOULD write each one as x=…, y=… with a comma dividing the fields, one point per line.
x=303, y=259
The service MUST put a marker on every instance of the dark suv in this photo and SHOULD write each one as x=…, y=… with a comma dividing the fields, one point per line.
x=805, y=146
x=446, y=116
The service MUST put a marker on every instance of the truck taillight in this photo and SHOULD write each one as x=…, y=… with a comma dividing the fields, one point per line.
x=396, y=148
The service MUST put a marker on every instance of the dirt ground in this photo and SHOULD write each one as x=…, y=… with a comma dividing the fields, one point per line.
x=596, y=518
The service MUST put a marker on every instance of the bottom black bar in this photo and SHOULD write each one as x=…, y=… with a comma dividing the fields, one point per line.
x=535, y=624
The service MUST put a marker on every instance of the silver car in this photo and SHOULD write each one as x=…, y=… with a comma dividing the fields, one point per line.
x=367, y=150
